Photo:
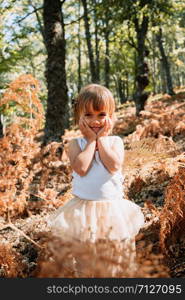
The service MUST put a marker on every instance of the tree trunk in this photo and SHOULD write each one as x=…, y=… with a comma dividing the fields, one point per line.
x=57, y=102
x=163, y=78
x=121, y=90
x=97, y=45
x=1, y=128
x=177, y=77
x=127, y=85
x=165, y=63
x=142, y=80
x=153, y=64
x=107, y=58
x=79, y=53
x=89, y=45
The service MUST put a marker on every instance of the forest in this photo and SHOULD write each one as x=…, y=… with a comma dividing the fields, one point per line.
x=49, y=50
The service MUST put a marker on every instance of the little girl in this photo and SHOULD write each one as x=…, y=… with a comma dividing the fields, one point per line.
x=98, y=209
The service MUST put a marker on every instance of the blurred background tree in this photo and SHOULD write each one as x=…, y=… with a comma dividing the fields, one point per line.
x=133, y=47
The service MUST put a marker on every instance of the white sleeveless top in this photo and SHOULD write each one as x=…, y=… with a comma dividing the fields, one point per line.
x=98, y=183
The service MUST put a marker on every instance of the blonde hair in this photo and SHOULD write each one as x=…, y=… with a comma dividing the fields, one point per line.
x=96, y=96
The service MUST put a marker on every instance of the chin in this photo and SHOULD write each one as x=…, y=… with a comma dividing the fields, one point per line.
x=96, y=130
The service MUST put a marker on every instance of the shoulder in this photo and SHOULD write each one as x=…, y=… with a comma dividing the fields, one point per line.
x=73, y=142
x=76, y=141
x=118, y=147
x=73, y=148
x=115, y=139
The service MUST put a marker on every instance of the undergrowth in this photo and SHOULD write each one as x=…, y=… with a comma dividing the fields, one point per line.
x=36, y=178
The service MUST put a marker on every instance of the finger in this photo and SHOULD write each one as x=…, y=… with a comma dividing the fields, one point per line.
x=110, y=123
x=87, y=126
x=81, y=120
x=84, y=124
x=106, y=123
x=81, y=123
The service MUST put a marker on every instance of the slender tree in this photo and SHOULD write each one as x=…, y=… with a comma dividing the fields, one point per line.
x=1, y=128
x=104, y=17
x=57, y=102
x=121, y=90
x=107, y=53
x=165, y=63
x=142, y=80
x=79, y=51
x=97, y=41
x=89, y=42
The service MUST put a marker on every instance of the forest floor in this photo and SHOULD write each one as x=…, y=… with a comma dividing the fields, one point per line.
x=154, y=151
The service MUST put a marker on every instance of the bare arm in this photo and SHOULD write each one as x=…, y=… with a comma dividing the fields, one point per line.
x=112, y=157
x=81, y=160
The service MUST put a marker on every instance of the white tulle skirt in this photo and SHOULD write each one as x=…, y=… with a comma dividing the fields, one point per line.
x=86, y=220
x=91, y=220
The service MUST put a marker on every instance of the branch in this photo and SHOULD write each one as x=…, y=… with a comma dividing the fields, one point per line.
x=12, y=226
x=38, y=19
x=75, y=21
x=35, y=10
x=132, y=44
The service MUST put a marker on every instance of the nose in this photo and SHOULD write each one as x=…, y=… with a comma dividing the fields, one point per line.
x=95, y=122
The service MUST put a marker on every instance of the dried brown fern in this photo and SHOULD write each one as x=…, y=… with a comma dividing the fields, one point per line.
x=20, y=103
x=149, y=151
x=10, y=262
x=95, y=260
x=16, y=168
x=172, y=217
x=74, y=258
x=22, y=158
x=162, y=119
x=151, y=265
x=150, y=161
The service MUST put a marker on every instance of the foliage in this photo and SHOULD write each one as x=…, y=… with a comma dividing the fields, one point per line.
x=22, y=48
x=20, y=103
x=35, y=180
x=17, y=152
x=10, y=263
x=172, y=217
x=94, y=260
x=21, y=154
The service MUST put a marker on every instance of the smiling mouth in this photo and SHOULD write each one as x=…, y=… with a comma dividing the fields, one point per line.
x=95, y=128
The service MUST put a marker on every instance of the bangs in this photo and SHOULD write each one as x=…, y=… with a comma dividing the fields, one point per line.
x=97, y=105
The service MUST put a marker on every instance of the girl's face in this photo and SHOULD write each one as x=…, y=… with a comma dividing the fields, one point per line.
x=95, y=119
